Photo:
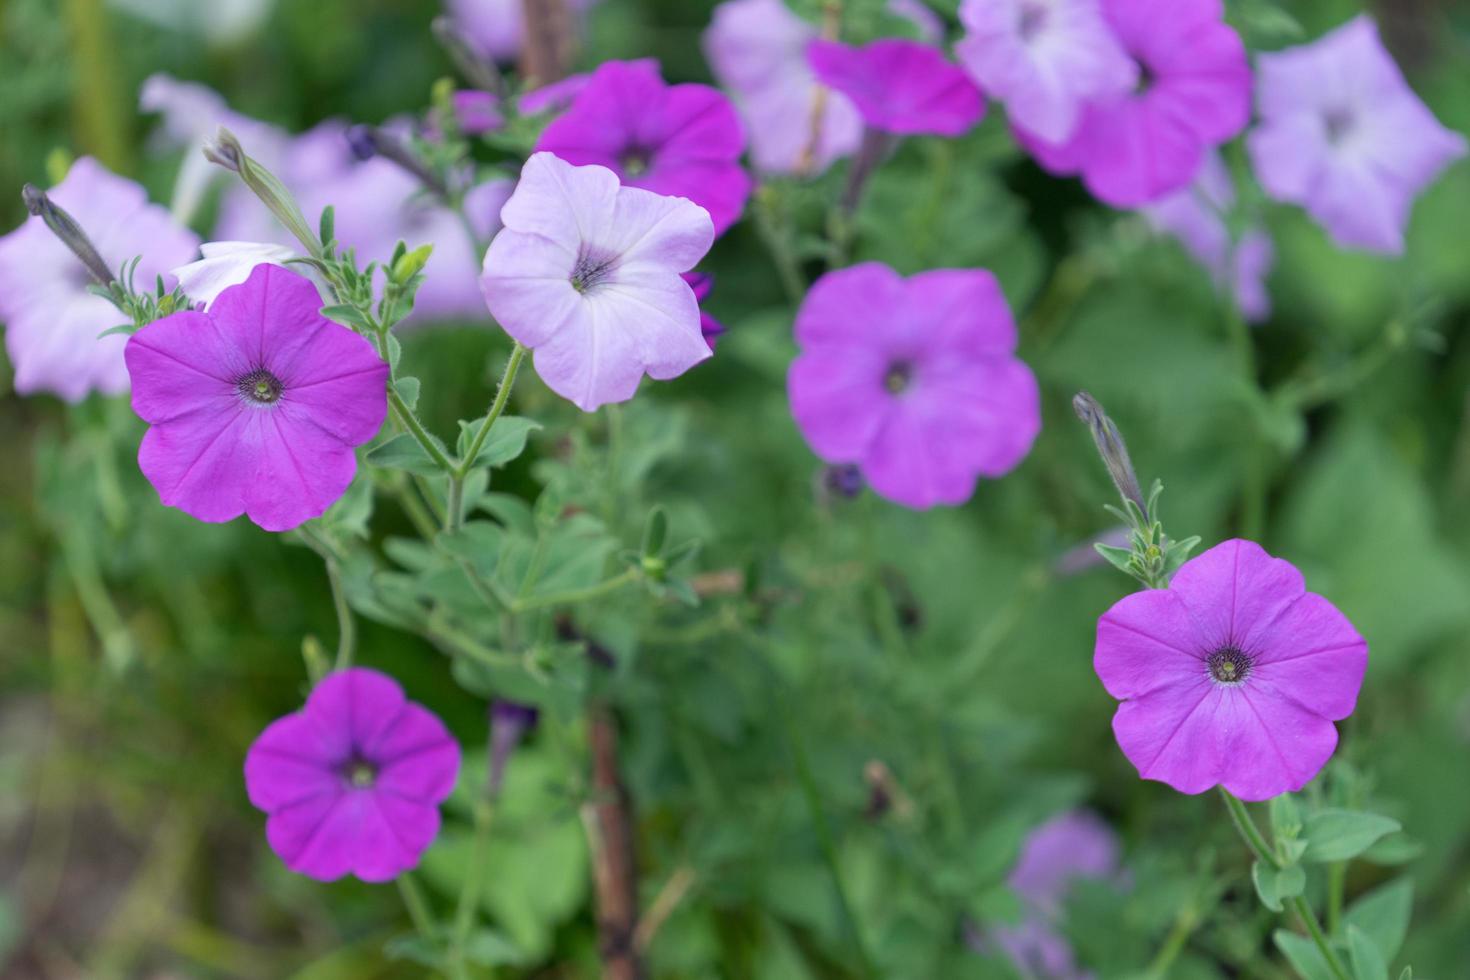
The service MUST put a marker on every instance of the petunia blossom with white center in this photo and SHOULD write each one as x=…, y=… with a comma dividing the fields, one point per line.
x=227, y=264
x=587, y=273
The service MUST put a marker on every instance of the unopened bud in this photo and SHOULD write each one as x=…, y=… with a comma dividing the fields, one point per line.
x=370, y=141
x=65, y=227
x=1111, y=447
x=225, y=150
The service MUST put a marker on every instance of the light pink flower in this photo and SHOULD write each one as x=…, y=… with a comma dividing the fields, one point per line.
x=586, y=273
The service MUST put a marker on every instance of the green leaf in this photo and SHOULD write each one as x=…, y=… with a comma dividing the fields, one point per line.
x=414, y=949
x=1383, y=915
x=1119, y=558
x=1408, y=973
x=490, y=948
x=403, y=452
x=1286, y=818
x=1337, y=835
x=408, y=390
x=506, y=441
x=1275, y=886
x=1366, y=958
x=349, y=316
x=1303, y=955
x=327, y=228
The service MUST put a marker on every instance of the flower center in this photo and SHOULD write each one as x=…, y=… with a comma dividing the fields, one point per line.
x=1146, y=78
x=360, y=774
x=635, y=161
x=1339, y=124
x=900, y=375
x=592, y=269
x=1230, y=665
x=1033, y=19
x=260, y=387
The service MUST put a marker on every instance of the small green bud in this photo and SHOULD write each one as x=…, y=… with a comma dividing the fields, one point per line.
x=411, y=264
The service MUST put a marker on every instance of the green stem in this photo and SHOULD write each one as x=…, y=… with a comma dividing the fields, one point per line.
x=497, y=408
x=1184, y=925
x=417, y=905
x=778, y=245
x=410, y=422
x=454, y=504
x=575, y=596
x=346, y=624
x=102, y=614
x=1336, y=886
x=469, y=896
x=1304, y=912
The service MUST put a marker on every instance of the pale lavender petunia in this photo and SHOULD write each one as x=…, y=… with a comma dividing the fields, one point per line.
x=1045, y=59
x=1196, y=216
x=353, y=781
x=1344, y=136
x=757, y=50
x=1232, y=676
x=587, y=273
x=227, y=264
x=677, y=140
x=914, y=380
x=256, y=405
x=1192, y=95
x=51, y=321
x=900, y=86
x=498, y=27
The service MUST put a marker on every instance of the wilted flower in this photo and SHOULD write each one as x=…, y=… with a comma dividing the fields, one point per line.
x=51, y=321
x=1045, y=59
x=900, y=86
x=757, y=50
x=913, y=380
x=677, y=140
x=1344, y=136
x=1192, y=94
x=586, y=273
x=227, y=264
x=1196, y=217
x=1231, y=676
x=255, y=405
x=353, y=781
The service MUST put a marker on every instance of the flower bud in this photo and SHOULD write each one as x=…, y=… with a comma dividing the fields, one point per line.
x=225, y=150
x=1111, y=447
x=509, y=723
x=65, y=227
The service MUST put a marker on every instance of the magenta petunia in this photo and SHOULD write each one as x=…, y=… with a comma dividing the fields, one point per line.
x=255, y=405
x=677, y=140
x=1232, y=676
x=1192, y=94
x=1344, y=136
x=587, y=273
x=900, y=86
x=477, y=112
x=703, y=284
x=1045, y=59
x=51, y=321
x=353, y=781
x=913, y=380
x=1196, y=217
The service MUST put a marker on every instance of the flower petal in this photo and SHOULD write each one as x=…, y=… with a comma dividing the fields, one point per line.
x=293, y=760
x=416, y=756
x=1145, y=642
x=1234, y=592
x=301, y=470
x=1312, y=655
x=201, y=462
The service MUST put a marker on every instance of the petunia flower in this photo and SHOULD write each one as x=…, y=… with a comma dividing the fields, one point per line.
x=676, y=140
x=757, y=50
x=1344, y=136
x=1192, y=94
x=255, y=405
x=703, y=284
x=51, y=321
x=227, y=264
x=913, y=380
x=1230, y=677
x=1045, y=59
x=586, y=273
x=353, y=781
x=900, y=86
x=1196, y=217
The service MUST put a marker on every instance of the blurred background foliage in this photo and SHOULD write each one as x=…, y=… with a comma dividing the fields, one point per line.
x=932, y=671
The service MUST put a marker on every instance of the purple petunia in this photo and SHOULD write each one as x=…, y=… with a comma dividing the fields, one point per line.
x=1192, y=94
x=1231, y=676
x=900, y=86
x=676, y=140
x=255, y=406
x=914, y=380
x=703, y=284
x=1196, y=217
x=587, y=273
x=353, y=781
x=51, y=322
x=1045, y=59
x=1344, y=136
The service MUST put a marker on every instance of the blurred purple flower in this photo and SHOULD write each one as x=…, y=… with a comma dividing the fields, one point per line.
x=1192, y=94
x=677, y=140
x=1344, y=136
x=227, y=264
x=51, y=321
x=1045, y=59
x=509, y=723
x=913, y=380
x=757, y=50
x=1231, y=676
x=498, y=27
x=256, y=405
x=586, y=273
x=556, y=96
x=353, y=781
x=1196, y=216
x=703, y=284
x=477, y=112
x=900, y=86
